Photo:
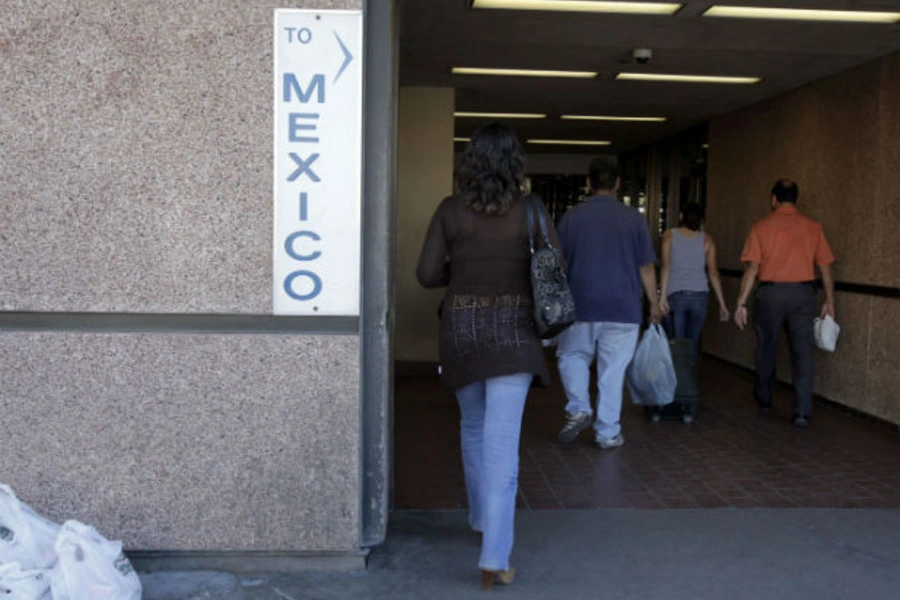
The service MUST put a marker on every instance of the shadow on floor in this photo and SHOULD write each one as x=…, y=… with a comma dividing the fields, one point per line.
x=797, y=554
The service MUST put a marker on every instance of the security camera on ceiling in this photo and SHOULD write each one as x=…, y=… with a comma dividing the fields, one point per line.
x=642, y=55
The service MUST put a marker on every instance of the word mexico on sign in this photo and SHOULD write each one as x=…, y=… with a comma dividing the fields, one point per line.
x=318, y=162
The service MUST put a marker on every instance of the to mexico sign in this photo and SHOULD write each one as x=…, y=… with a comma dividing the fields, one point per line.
x=318, y=162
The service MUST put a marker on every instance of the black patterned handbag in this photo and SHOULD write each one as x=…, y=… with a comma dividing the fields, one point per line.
x=554, y=307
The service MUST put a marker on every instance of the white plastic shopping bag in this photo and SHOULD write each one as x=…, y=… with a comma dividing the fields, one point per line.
x=91, y=567
x=827, y=331
x=16, y=584
x=651, y=374
x=25, y=537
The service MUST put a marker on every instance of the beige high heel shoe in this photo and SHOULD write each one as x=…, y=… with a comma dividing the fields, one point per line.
x=488, y=578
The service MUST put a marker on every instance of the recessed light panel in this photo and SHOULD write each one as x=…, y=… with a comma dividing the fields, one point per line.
x=460, y=139
x=686, y=78
x=570, y=142
x=522, y=72
x=500, y=115
x=801, y=14
x=598, y=6
x=609, y=118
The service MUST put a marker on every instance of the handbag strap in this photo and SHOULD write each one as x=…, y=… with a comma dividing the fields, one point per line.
x=529, y=211
x=532, y=208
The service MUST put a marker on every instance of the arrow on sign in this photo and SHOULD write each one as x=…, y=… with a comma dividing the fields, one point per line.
x=347, y=57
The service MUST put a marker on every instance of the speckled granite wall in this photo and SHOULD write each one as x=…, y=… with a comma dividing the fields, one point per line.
x=838, y=139
x=137, y=154
x=187, y=442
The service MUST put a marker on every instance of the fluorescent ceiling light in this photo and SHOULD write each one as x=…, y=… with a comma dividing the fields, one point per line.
x=570, y=142
x=605, y=118
x=523, y=72
x=488, y=115
x=460, y=139
x=598, y=6
x=685, y=78
x=802, y=14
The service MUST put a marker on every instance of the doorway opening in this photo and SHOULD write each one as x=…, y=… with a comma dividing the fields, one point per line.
x=728, y=457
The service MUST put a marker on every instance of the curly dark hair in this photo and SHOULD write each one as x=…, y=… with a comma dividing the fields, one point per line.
x=492, y=174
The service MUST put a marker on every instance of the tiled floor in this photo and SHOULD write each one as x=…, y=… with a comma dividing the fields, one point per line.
x=730, y=457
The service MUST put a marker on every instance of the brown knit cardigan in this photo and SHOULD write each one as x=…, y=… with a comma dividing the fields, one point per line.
x=486, y=328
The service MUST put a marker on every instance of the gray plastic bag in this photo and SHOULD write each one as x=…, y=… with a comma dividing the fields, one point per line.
x=651, y=374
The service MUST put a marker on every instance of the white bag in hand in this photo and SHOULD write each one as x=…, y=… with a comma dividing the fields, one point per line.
x=25, y=537
x=651, y=374
x=16, y=584
x=91, y=567
x=827, y=331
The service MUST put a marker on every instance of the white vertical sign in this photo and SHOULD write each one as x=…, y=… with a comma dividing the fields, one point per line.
x=318, y=162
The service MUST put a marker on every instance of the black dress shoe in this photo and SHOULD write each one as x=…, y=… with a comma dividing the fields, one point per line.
x=801, y=421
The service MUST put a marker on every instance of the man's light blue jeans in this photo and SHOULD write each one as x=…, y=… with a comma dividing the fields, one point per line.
x=612, y=344
x=489, y=429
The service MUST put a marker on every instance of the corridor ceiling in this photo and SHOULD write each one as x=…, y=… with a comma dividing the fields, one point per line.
x=436, y=35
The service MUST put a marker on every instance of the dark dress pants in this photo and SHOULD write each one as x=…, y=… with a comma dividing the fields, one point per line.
x=790, y=307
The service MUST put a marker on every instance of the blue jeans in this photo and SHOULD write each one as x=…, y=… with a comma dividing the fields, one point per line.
x=686, y=317
x=489, y=430
x=613, y=346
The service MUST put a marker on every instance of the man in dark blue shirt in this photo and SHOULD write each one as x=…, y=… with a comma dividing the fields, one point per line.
x=611, y=260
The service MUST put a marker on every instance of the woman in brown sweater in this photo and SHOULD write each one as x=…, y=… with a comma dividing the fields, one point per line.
x=477, y=246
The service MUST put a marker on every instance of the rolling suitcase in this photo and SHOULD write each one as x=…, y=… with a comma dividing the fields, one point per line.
x=687, y=392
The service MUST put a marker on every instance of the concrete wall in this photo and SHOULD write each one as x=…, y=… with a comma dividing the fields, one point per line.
x=137, y=167
x=425, y=177
x=186, y=441
x=838, y=139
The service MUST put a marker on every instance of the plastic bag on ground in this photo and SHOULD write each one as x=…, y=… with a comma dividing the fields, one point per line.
x=827, y=331
x=16, y=584
x=90, y=567
x=25, y=537
x=651, y=374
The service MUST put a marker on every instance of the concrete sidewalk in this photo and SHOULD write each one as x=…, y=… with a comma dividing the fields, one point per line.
x=725, y=554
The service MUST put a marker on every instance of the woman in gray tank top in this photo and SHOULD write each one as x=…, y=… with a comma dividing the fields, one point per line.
x=688, y=260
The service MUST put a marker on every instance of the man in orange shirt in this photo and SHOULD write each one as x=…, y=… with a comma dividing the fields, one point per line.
x=781, y=251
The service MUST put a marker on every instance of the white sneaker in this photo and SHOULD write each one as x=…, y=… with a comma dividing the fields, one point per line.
x=613, y=442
